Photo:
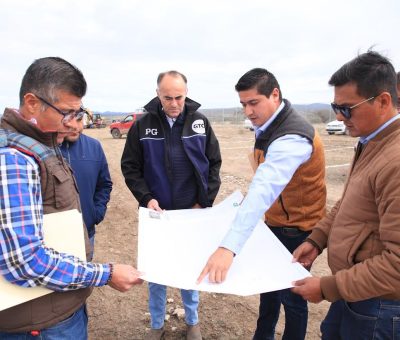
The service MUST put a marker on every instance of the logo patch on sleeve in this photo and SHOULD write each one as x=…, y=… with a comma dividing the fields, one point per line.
x=198, y=126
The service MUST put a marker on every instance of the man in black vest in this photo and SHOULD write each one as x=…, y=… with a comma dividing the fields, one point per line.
x=288, y=187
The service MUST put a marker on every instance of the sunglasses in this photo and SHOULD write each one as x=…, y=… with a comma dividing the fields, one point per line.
x=67, y=116
x=346, y=110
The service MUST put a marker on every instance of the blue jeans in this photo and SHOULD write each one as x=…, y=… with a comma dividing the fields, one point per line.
x=158, y=301
x=296, y=310
x=374, y=319
x=72, y=328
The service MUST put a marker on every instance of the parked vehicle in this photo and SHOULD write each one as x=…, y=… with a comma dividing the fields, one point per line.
x=336, y=126
x=248, y=125
x=120, y=128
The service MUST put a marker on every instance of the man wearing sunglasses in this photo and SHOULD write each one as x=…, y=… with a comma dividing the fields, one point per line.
x=362, y=231
x=89, y=163
x=36, y=180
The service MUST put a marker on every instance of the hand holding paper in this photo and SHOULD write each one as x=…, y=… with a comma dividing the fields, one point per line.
x=153, y=205
x=309, y=288
x=305, y=254
x=124, y=277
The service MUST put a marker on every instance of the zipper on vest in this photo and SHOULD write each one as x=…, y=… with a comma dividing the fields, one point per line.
x=283, y=207
x=56, y=148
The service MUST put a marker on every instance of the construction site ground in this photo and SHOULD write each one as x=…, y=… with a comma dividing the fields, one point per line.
x=115, y=315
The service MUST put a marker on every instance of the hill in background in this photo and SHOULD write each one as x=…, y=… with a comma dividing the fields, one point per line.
x=314, y=113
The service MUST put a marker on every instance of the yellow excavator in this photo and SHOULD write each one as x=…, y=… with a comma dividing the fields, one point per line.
x=93, y=120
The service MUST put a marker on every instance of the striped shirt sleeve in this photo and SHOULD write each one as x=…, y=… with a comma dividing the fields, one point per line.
x=24, y=259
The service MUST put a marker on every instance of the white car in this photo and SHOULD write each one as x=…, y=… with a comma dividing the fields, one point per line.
x=336, y=126
x=247, y=124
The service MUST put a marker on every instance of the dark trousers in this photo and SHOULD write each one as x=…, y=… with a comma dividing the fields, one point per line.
x=375, y=319
x=296, y=311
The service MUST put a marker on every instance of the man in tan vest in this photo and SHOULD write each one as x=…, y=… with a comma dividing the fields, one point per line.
x=288, y=187
x=36, y=180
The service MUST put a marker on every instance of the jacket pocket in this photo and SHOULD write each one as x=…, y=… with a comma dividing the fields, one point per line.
x=362, y=245
x=64, y=190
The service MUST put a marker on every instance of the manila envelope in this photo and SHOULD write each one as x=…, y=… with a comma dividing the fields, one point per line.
x=63, y=232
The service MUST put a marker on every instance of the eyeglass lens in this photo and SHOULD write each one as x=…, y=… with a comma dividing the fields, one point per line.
x=344, y=110
x=68, y=116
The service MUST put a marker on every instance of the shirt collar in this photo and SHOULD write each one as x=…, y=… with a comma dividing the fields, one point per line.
x=170, y=120
x=366, y=139
x=259, y=130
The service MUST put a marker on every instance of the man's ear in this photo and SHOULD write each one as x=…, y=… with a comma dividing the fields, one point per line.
x=385, y=102
x=31, y=106
x=275, y=94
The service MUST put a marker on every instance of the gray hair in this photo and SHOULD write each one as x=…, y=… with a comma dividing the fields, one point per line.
x=175, y=74
x=48, y=75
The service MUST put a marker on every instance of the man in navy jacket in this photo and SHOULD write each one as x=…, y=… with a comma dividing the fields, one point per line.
x=172, y=160
x=89, y=164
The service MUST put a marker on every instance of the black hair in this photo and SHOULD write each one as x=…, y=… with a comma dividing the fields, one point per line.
x=48, y=75
x=261, y=79
x=371, y=72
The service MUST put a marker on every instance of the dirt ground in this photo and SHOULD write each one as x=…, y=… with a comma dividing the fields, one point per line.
x=114, y=315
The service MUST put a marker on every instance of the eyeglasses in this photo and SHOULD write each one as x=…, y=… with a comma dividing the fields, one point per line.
x=346, y=110
x=68, y=116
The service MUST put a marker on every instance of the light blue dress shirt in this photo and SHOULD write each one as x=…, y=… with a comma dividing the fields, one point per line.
x=365, y=140
x=283, y=158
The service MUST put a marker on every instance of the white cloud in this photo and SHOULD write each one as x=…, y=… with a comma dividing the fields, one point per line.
x=122, y=45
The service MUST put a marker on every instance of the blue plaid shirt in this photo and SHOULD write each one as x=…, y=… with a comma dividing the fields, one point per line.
x=24, y=259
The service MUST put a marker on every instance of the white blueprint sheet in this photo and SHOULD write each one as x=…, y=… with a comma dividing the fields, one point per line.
x=174, y=247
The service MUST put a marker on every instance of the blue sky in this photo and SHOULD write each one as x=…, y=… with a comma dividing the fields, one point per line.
x=122, y=45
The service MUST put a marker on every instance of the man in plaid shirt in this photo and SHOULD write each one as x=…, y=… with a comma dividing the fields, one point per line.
x=36, y=180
